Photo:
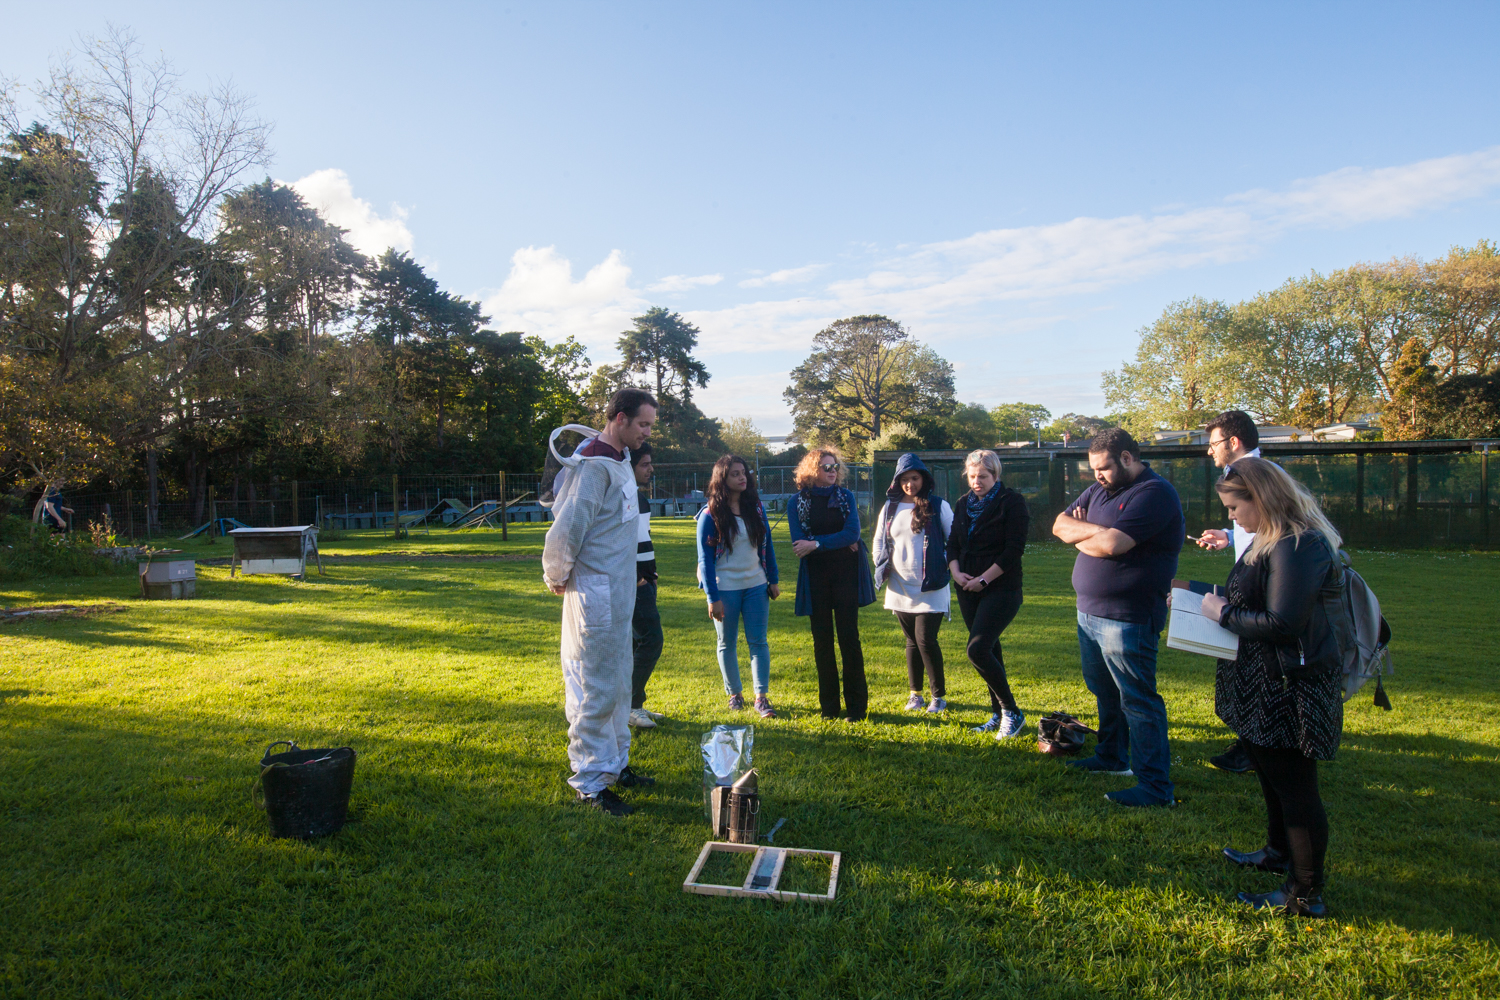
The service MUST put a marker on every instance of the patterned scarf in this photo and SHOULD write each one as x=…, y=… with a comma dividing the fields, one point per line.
x=976, y=504
x=836, y=498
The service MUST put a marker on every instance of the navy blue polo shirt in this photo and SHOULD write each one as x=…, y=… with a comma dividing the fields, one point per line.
x=1132, y=587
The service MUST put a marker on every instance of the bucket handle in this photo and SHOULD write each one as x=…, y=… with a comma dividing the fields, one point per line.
x=290, y=743
x=256, y=786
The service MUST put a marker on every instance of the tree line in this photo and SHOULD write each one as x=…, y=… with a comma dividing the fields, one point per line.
x=1416, y=341
x=163, y=323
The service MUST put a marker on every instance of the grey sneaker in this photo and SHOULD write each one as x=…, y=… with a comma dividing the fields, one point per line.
x=641, y=719
x=737, y=702
x=937, y=705
x=989, y=727
x=916, y=702
x=1012, y=724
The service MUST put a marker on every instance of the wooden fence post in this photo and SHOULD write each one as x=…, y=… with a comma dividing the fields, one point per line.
x=395, y=506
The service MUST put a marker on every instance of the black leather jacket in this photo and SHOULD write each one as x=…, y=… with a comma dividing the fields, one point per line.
x=1289, y=599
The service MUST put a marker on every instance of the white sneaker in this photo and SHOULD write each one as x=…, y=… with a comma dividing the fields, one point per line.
x=916, y=702
x=1011, y=723
x=641, y=719
x=938, y=705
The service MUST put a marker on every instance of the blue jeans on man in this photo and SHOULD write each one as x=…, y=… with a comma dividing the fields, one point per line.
x=1119, y=667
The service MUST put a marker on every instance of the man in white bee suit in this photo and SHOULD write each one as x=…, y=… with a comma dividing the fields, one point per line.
x=589, y=560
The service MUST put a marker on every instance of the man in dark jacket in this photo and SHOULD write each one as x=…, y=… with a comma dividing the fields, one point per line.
x=1128, y=529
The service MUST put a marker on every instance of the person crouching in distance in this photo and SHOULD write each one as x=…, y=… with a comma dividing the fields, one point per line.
x=646, y=637
x=834, y=580
x=737, y=572
x=911, y=560
x=1283, y=692
x=985, y=547
x=1232, y=435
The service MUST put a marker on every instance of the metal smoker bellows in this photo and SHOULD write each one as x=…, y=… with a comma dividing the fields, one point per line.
x=744, y=809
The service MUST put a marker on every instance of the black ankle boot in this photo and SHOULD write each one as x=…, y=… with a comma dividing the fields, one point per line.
x=1267, y=859
x=1291, y=899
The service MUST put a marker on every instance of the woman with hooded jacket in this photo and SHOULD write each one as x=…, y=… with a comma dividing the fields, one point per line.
x=911, y=560
x=1282, y=693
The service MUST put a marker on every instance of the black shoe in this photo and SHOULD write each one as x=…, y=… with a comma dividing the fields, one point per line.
x=606, y=801
x=1234, y=759
x=1287, y=900
x=629, y=779
x=1267, y=859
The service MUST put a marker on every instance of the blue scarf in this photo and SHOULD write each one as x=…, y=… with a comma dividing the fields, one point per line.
x=976, y=505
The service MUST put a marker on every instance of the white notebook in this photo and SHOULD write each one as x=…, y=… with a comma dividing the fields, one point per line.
x=1190, y=632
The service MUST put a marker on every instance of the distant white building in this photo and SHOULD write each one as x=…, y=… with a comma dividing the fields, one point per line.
x=1269, y=434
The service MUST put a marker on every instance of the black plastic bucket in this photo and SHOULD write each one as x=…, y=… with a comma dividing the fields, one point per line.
x=306, y=792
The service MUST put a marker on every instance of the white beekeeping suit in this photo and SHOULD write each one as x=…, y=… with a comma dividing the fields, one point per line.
x=591, y=549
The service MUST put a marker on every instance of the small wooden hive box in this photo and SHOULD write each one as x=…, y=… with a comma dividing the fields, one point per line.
x=168, y=576
x=275, y=550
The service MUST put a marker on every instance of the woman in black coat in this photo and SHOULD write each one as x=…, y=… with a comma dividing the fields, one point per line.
x=1283, y=693
x=990, y=525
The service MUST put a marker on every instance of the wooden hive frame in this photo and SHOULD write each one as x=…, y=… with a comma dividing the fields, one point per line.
x=765, y=873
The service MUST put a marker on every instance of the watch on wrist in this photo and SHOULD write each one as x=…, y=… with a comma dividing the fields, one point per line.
x=982, y=581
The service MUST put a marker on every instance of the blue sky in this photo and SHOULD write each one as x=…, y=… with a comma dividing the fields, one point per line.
x=1023, y=186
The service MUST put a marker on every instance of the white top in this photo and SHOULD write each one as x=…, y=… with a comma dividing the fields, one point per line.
x=739, y=568
x=903, y=584
x=1242, y=538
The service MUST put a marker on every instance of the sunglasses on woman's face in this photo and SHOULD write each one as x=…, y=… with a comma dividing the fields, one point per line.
x=830, y=468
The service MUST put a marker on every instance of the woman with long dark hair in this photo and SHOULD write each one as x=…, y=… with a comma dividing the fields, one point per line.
x=834, y=579
x=1282, y=693
x=737, y=572
x=911, y=560
x=985, y=548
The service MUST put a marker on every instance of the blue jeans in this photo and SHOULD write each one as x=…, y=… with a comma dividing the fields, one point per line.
x=754, y=607
x=1119, y=667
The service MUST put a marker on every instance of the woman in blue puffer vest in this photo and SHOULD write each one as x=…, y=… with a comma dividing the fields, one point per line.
x=911, y=560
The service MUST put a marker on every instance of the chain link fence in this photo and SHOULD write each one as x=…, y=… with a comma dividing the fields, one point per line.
x=1435, y=495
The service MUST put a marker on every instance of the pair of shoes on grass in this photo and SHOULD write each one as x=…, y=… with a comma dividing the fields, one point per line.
x=1008, y=723
x=1292, y=899
x=916, y=703
x=609, y=803
x=1136, y=797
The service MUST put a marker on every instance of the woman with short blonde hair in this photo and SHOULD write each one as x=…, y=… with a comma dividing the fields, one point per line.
x=1282, y=693
x=990, y=526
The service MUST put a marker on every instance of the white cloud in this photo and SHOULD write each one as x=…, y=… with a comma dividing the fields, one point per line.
x=787, y=276
x=940, y=282
x=949, y=289
x=540, y=296
x=330, y=192
x=683, y=283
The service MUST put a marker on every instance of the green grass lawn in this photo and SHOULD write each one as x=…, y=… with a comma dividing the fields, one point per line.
x=136, y=865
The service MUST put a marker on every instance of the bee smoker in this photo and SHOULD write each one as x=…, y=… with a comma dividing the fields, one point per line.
x=744, y=809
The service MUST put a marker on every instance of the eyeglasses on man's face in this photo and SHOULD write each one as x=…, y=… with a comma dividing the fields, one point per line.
x=1215, y=445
